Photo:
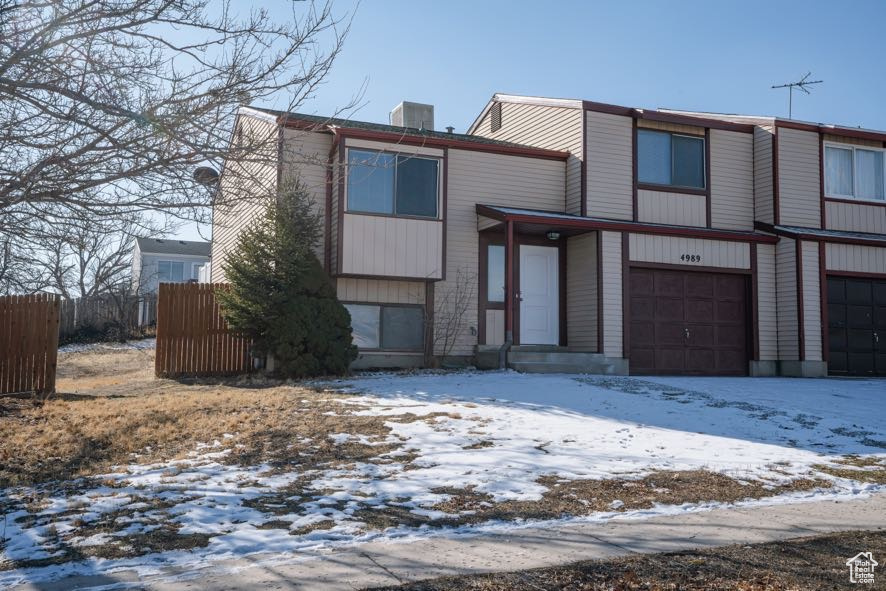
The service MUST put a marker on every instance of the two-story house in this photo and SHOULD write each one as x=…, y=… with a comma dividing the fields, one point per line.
x=594, y=237
x=156, y=260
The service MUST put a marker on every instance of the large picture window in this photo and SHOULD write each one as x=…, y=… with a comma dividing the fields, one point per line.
x=387, y=327
x=170, y=271
x=670, y=159
x=854, y=172
x=392, y=184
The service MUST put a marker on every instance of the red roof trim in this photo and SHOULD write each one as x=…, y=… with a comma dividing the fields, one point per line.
x=651, y=115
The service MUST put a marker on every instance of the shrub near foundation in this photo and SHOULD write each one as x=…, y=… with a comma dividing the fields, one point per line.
x=281, y=297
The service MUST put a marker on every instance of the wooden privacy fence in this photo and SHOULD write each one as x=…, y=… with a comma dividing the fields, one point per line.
x=28, y=343
x=192, y=337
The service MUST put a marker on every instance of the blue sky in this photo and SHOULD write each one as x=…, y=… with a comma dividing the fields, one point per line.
x=720, y=56
x=714, y=55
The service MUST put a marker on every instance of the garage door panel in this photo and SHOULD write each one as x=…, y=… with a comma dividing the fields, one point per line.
x=700, y=310
x=699, y=323
x=853, y=321
x=669, y=284
x=730, y=312
x=699, y=286
x=669, y=310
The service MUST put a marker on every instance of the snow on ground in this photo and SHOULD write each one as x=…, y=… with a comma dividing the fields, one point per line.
x=127, y=346
x=500, y=432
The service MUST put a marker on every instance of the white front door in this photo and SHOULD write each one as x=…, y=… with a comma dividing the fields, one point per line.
x=539, y=295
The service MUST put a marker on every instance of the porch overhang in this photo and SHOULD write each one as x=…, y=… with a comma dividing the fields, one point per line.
x=824, y=235
x=533, y=221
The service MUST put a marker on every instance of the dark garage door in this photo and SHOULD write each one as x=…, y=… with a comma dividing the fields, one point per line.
x=856, y=326
x=688, y=323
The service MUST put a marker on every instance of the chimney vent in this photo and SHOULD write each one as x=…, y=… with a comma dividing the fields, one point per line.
x=417, y=115
x=449, y=129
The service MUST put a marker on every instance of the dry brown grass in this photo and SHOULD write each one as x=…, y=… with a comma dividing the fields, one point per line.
x=107, y=373
x=809, y=564
x=862, y=469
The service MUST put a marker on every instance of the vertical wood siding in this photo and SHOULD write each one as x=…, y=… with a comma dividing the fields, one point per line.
x=258, y=180
x=811, y=301
x=581, y=291
x=766, y=302
x=763, y=193
x=541, y=126
x=613, y=308
x=680, y=209
x=855, y=258
x=380, y=291
x=732, y=180
x=609, y=165
x=495, y=179
x=786, y=293
x=855, y=217
x=305, y=158
x=799, y=195
x=29, y=328
x=649, y=248
x=495, y=327
x=672, y=127
x=393, y=247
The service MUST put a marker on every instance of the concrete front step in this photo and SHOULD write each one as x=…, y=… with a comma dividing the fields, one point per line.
x=553, y=367
x=556, y=357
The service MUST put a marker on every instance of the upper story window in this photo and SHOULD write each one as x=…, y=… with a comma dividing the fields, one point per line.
x=392, y=184
x=854, y=172
x=170, y=271
x=670, y=159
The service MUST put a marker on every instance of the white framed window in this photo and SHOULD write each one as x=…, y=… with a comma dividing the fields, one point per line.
x=170, y=271
x=387, y=327
x=670, y=159
x=392, y=184
x=854, y=172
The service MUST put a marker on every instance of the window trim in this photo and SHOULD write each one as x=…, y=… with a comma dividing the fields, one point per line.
x=440, y=172
x=852, y=148
x=703, y=190
x=381, y=330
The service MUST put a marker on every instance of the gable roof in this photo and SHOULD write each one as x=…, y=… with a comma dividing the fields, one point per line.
x=173, y=247
x=320, y=123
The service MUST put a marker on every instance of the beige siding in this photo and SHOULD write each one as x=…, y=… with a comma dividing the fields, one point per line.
x=811, y=302
x=392, y=247
x=854, y=217
x=839, y=139
x=305, y=159
x=613, y=310
x=495, y=327
x=244, y=189
x=855, y=258
x=649, y=248
x=581, y=291
x=786, y=293
x=543, y=126
x=659, y=207
x=495, y=179
x=763, y=193
x=799, y=196
x=732, y=180
x=609, y=164
x=380, y=291
x=767, y=328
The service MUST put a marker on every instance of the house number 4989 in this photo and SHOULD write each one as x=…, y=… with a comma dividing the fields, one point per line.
x=690, y=258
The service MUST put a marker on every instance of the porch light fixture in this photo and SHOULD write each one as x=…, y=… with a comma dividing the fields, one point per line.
x=552, y=235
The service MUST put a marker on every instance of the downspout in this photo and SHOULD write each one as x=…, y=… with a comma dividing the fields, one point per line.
x=327, y=239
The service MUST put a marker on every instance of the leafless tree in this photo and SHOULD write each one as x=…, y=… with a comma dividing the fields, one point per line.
x=108, y=106
x=448, y=320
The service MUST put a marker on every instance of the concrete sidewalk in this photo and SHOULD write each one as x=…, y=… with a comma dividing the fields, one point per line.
x=388, y=563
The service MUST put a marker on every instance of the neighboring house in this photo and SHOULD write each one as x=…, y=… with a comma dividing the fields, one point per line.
x=596, y=238
x=156, y=261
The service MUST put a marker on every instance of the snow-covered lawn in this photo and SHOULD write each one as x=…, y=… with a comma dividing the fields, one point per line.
x=498, y=438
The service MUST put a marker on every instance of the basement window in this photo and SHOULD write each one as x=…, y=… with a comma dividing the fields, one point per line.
x=670, y=159
x=387, y=327
x=392, y=184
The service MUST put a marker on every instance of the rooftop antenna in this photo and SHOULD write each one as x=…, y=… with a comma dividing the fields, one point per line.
x=801, y=84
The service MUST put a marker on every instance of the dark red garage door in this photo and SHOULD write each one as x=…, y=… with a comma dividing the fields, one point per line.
x=689, y=323
x=856, y=326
